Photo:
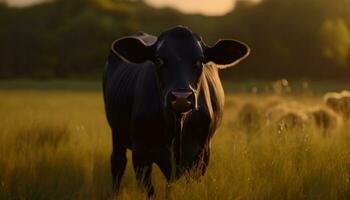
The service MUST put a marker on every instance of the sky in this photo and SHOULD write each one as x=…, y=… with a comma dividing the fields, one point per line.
x=206, y=7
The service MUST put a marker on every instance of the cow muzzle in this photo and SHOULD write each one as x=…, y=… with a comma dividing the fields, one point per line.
x=181, y=100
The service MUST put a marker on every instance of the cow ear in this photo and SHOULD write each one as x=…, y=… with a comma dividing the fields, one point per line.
x=133, y=49
x=226, y=53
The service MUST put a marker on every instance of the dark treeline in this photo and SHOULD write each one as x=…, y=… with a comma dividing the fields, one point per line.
x=303, y=39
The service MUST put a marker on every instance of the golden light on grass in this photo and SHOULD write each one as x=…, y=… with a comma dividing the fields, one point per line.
x=56, y=144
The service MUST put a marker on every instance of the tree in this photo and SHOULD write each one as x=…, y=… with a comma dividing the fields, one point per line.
x=335, y=41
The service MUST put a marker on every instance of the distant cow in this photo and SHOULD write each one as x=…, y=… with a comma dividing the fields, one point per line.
x=339, y=102
x=164, y=101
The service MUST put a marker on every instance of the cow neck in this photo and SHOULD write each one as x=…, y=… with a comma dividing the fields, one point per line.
x=179, y=127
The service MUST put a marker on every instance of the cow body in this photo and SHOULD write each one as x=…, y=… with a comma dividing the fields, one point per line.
x=135, y=107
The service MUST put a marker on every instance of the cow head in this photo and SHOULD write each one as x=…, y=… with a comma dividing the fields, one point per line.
x=179, y=57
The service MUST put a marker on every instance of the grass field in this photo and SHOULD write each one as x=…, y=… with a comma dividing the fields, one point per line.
x=55, y=144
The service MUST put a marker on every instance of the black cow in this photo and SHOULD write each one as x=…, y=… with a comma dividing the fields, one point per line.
x=164, y=101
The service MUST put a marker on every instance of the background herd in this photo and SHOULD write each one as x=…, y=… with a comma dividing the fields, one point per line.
x=285, y=114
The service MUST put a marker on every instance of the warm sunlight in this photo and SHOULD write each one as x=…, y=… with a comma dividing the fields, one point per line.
x=174, y=99
x=21, y=3
x=206, y=7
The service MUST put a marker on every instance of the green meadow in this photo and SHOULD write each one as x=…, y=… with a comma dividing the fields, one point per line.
x=55, y=144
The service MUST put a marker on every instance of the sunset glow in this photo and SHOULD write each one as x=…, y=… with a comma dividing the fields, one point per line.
x=206, y=7
x=21, y=3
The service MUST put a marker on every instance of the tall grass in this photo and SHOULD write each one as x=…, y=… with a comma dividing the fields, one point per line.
x=56, y=145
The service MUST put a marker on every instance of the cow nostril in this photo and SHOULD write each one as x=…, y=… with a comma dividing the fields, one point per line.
x=180, y=100
x=190, y=98
x=172, y=97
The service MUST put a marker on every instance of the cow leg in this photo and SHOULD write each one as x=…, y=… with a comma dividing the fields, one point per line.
x=118, y=164
x=143, y=170
x=167, y=166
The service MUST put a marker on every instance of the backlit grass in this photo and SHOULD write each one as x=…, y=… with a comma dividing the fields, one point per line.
x=55, y=144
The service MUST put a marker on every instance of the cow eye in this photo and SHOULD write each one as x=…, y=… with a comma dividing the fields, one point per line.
x=159, y=61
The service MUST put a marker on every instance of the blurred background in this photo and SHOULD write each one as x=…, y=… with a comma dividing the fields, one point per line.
x=283, y=134
x=70, y=39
